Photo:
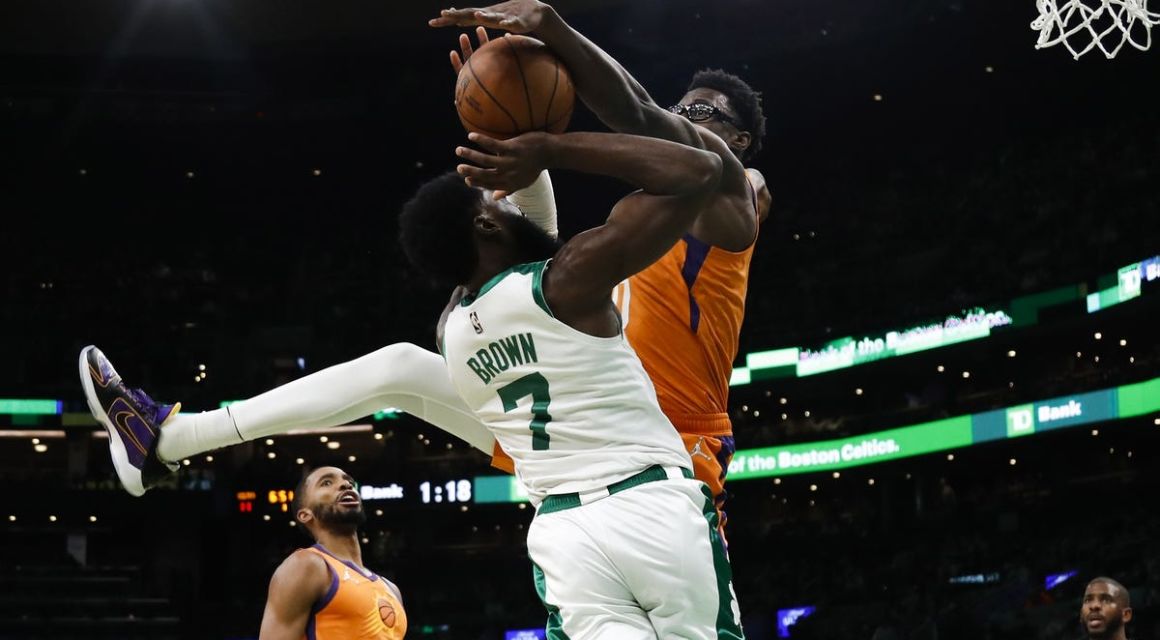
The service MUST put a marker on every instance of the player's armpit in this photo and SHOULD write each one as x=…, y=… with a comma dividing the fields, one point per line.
x=300, y=581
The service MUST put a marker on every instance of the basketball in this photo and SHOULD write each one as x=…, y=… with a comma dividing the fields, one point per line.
x=513, y=85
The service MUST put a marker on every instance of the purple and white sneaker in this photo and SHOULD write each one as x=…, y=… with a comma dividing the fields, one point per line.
x=132, y=419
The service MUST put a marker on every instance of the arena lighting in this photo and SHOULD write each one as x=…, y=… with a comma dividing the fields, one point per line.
x=40, y=448
x=975, y=578
x=34, y=434
x=332, y=445
x=1053, y=580
x=209, y=458
x=269, y=441
x=350, y=428
x=787, y=618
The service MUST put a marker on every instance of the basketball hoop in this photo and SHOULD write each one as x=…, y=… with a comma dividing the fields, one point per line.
x=1083, y=25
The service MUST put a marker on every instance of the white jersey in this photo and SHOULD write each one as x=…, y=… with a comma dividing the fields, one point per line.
x=575, y=412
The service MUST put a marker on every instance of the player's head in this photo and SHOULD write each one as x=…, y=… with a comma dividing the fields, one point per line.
x=729, y=107
x=1106, y=608
x=326, y=500
x=447, y=227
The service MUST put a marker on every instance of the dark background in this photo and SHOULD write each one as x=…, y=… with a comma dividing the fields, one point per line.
x=988, y=170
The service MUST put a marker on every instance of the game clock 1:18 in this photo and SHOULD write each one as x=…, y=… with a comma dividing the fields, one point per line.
x=450, y=491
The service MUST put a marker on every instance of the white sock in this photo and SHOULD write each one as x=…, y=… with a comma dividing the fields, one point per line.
x=185, y=435
x=401, y=375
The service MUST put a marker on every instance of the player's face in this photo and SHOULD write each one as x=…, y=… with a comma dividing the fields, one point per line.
x=332, y=500
x=1102, y=614
x=721, y=119
x=529, y=242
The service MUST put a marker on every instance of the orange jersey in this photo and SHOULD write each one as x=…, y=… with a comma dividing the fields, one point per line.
x=683, y=317
x=358, y=605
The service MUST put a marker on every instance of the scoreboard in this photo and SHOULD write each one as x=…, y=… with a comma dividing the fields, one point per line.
x=451, y=492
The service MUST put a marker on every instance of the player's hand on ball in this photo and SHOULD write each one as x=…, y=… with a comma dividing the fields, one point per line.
x=515, y=16
x=465, y=47
x=505, y=166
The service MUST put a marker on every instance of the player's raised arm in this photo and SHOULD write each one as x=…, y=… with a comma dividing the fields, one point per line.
x=602, y=83
x=300, y=582
x=675, y=181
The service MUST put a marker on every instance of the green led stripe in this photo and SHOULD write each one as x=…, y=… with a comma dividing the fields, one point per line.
x=1063, y=412
x=18, y=407
x=850, y=351
x=1139, y=399
x=832, y=455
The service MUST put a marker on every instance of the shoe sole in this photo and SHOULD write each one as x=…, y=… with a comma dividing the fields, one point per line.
x=132, y=483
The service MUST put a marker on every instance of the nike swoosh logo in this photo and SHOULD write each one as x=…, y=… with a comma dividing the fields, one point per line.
x=121, y=420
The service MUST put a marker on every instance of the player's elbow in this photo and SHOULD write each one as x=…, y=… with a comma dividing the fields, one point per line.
x=705, y=173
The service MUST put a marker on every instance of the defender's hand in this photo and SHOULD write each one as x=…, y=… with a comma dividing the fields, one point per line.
x=457, y=60
x=505, y=166
x=515, y=16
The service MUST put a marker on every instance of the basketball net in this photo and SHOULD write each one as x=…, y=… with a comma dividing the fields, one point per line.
x=1083, y=25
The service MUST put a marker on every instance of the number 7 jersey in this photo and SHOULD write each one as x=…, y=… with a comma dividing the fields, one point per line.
x=574, y=411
